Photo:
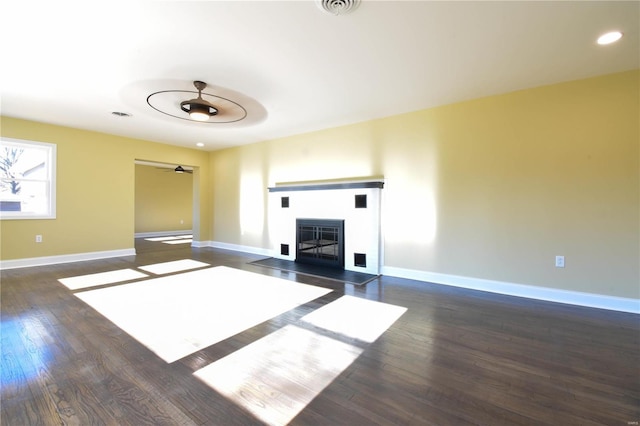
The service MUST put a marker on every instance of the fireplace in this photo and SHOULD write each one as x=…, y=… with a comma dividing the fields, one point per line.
x=331, y=224
x=320, y=242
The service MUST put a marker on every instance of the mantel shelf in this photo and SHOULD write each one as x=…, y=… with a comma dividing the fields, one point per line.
x=328, y=186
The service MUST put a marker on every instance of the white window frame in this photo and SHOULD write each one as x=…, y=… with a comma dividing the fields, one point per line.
x=49, y=180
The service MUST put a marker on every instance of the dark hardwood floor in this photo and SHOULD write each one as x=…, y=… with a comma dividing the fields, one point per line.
x=456, y=357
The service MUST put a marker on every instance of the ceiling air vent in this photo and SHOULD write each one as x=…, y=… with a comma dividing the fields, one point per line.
x=338, y=7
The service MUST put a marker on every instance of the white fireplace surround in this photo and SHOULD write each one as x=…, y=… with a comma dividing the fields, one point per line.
x=330, y=201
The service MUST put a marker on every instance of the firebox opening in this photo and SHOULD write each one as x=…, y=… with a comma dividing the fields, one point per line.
x=320, y=242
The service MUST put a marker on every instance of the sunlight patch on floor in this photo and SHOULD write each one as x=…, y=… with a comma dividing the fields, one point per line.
x=275, y=377
x=101, y=278
x=189, y=240
x=356, y=318
x=174, y=266
x=175, y=316
x=174, y=237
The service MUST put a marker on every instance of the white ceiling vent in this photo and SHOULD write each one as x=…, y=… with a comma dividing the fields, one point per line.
x=338, y=7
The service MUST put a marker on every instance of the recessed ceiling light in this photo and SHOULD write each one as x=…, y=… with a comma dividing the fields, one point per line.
x=200, y=144
x=610, y=37
x=121, y=114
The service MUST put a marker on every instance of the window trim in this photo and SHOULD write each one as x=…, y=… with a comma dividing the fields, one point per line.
x=51, y=150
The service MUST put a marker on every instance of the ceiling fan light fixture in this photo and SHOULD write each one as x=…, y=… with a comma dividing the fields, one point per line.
x=199, y=109
x=199, y=116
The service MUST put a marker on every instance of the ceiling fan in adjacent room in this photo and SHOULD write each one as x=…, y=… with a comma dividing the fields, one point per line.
x=181, y=169
x=178, y=169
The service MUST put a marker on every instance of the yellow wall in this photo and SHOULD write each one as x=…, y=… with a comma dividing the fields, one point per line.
x=492, y=188
x=163, y=199
x=95, y=191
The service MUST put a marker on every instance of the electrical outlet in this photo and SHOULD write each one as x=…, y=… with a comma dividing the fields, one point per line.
x=559, y=261
x=38, y=238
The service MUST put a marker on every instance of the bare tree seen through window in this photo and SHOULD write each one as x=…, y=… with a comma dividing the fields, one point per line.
x=8, y=158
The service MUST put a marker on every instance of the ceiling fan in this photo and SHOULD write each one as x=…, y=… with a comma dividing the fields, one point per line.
x=178, y=169
x=181, y=169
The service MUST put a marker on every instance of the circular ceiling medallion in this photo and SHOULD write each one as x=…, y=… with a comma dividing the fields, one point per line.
x=169, y=102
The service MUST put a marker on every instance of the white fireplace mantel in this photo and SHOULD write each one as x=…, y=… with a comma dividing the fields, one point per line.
x=356, y=202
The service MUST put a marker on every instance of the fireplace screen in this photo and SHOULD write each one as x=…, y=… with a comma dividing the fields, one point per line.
x=320, y=242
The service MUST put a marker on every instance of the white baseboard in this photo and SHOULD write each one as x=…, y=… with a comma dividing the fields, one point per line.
x=235, y=247
x=162, y=233
x=65, y=258
x=199, y=244
x=520, y=290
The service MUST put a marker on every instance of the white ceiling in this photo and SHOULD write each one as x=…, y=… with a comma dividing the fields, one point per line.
x=294, y=67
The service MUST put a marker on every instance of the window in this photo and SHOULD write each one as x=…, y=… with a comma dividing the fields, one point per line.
x=27, y=179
